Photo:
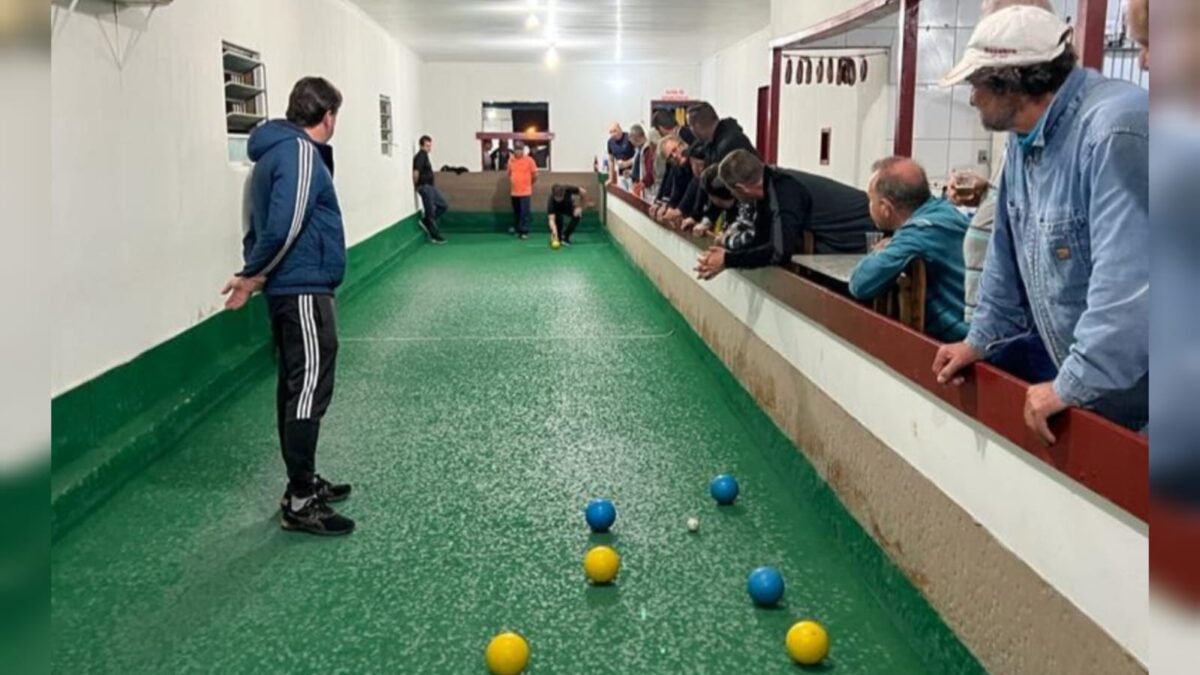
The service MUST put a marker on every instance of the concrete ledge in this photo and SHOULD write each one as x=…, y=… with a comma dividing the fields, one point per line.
x=1003, y=610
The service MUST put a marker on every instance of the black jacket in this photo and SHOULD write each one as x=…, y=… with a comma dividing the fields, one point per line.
x=681, y=179
x=838, y=216
x=727, y=138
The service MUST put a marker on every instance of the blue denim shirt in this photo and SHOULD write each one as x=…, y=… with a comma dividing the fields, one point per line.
x=1070, y=254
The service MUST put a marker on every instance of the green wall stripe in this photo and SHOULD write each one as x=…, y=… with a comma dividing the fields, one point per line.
x=110, y=427
x=491, y=221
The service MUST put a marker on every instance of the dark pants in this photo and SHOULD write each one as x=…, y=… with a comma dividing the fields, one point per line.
x=305, y=331
x=566, y=225
x=522, y=206
x=1027, y=358
x=434, y=205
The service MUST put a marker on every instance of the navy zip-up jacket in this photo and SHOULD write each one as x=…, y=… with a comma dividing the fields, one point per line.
x=296, y=238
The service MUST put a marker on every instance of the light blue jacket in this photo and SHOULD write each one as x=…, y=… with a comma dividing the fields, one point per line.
x=1070, y=253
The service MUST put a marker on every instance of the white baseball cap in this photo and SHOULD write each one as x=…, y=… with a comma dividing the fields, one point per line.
x=1021, y=35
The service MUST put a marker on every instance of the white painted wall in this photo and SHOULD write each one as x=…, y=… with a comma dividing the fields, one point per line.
x=584, y=99
x=792, y=16
x=730, y=79
x=1092, y=552
x=857, y=117
x=146, y=207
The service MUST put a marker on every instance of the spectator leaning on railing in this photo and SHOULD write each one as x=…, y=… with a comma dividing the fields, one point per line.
x=671, y=195
x=788, y=203
x=722, y=200
x=980, y=193
x=720, y=137
x=665, y=126
x=642, y=170
x=1070, y=250
x=923, y=227
x=695, y=202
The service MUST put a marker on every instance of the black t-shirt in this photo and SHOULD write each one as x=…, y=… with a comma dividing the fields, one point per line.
x=423, y=167
x=838, y=216
x=565, y=208
x=621, y=148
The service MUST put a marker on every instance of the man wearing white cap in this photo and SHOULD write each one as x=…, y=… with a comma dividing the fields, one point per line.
x=1070, y=255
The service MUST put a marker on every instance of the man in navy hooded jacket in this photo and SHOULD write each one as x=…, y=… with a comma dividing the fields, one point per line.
x=295, y=252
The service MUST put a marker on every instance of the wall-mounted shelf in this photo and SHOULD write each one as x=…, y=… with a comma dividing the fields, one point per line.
x=239, y=61
x=239, y=122
x=245, y=89
x=386, y=137
x=241, y=92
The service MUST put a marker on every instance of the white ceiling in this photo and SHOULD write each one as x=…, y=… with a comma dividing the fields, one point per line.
x=660, y=31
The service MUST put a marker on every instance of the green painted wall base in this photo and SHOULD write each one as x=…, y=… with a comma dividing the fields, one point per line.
x=109, y=428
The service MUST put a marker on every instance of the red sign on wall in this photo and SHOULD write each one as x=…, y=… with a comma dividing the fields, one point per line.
x=675, y=95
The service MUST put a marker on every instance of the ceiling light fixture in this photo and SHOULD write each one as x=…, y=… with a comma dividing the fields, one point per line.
x=552, y=57
x=532, y=22
x=617, y=49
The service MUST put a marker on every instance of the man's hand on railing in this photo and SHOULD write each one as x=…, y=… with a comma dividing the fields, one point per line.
x=711, y=263
x=1042, y=403
x=951, y=359
x=687, y=224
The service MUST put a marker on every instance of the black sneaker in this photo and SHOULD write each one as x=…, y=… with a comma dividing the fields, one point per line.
x=523, y=236
x=331, y=492
x=439, y=240
x=315, y=517
x=425, y=228
x=325, y=490
x=565, y=242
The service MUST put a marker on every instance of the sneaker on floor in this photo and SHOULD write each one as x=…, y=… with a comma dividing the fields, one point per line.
x=330, y=491
x=565, y=242
x=313, y=515
x=326, y=490
x=425, y=228
x=439, y=240
x=523, y=236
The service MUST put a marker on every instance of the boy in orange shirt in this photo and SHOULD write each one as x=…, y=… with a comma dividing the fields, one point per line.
x=522, y=174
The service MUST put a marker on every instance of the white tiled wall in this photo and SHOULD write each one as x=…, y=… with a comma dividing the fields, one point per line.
x=947, y=133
